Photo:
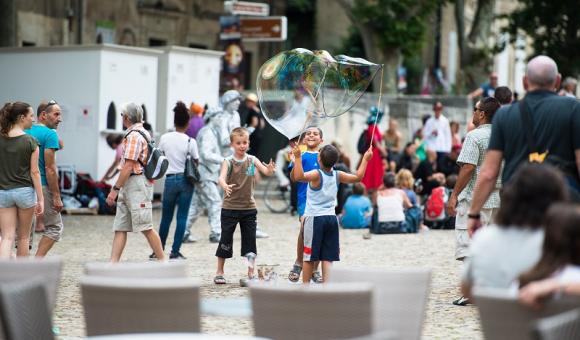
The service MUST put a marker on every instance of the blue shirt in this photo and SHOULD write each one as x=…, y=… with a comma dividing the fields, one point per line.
x=411, y=195
x=47, y=139
x=488, y=90
x=309, y=162
x=354, y=212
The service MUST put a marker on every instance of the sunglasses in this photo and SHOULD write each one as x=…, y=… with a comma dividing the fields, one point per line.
x=50, y=103
x=475, y=108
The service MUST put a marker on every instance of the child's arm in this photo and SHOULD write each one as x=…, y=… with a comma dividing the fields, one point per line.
x=360, y=172
x=222, y=180
x=298, y=171
x=266, y=169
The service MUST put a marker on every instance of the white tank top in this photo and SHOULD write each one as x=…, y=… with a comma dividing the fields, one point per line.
x=390, y=208
x=322, y=201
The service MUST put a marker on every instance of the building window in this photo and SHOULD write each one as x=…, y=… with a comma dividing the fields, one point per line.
x=157, y=42
x=112, y=117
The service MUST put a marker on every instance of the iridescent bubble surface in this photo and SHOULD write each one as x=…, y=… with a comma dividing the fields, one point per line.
x=300, y=88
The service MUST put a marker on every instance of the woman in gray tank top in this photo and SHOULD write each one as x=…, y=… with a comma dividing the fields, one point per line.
x=20, y=188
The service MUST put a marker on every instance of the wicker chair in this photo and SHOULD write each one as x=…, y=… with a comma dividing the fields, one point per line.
x=333, y=311
x=400, y=297
x=120, y=305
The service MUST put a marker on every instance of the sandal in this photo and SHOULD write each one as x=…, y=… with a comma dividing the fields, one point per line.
x=317, y=277
x=294, y=274
x=219, y=280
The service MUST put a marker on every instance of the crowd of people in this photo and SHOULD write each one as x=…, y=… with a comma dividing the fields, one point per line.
x=512, y=179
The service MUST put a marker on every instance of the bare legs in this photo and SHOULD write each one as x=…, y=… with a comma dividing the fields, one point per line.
x=8, y=221
x=120, y=240
x=44, y=246
x=308, y=269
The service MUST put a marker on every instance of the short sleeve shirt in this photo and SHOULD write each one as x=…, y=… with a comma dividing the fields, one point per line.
x=47, y=138
x=242, y=174
x=497, y=256
x=15, y=161
x=135, y=148
x=309, y=162
x=556, y=122
x=473, y=152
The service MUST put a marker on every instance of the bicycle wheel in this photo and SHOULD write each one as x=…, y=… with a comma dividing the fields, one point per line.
x=276, y=198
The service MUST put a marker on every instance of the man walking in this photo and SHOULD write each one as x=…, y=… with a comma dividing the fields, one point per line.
x=470, y=159
x=552, y=126
x=49, y=117
x=133, y=192
x=437, y=133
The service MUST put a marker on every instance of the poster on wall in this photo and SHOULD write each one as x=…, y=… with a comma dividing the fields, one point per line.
x=232, y=72
x=105, y=32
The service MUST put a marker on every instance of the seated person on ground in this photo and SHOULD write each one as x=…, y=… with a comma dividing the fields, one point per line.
x=391, y=205
x=357, y=210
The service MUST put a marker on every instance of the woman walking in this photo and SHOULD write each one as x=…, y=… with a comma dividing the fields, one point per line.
x=20, y=188
x=178, y=191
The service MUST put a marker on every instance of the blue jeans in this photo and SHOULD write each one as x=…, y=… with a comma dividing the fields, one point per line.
x=177, y=192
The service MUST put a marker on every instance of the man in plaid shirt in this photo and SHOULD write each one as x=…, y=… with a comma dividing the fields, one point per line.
x=470, y=159
x=133, y=192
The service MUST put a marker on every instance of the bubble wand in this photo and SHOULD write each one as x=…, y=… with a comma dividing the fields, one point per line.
x=378, y=105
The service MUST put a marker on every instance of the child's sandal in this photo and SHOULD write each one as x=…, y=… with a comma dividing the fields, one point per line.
x=294, y=275
x=219, y=280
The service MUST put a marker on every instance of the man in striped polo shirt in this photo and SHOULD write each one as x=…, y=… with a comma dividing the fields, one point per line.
x=470, y=160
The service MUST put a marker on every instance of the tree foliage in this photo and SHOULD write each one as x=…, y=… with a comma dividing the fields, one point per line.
x=398, y=24
x=554, y=27
x=389, y=30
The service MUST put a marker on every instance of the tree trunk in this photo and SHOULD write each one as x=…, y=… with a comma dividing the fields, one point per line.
x=8, y=23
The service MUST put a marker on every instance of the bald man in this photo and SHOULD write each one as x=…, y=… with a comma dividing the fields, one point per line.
x=554, y=122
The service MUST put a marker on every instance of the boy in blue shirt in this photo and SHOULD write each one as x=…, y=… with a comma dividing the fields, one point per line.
x=320, y=224
x=312, y=138
x=357, y=210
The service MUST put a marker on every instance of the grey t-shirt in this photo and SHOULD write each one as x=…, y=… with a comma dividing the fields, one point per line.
x=497, y=256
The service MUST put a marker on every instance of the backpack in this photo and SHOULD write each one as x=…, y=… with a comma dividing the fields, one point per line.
x=156, y=164
x=435, y=205
x=362, y=145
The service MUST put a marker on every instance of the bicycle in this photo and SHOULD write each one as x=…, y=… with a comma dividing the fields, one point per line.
x=276, y=196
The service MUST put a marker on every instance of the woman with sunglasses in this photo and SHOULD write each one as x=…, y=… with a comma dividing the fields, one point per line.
x=20, y=188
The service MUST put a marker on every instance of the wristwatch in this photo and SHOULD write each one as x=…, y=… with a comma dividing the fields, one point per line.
x=474, y=216
x=116, y=188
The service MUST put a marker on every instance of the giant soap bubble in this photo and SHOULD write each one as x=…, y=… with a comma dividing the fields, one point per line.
x=301, y=87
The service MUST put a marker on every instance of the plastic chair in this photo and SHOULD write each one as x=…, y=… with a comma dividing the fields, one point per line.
x=120, y=305
x=333, y=311
x=400, y=297
x=24, y=311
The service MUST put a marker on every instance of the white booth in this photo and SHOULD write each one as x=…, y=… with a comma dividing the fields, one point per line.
x=90, y=83
x=187, y=75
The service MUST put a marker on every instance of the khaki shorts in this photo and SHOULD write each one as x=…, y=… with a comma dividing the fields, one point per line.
x=462, y=238
x=53, y=226
x=134, y=212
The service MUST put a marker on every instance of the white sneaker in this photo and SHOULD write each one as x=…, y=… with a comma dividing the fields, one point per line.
x=261, y=234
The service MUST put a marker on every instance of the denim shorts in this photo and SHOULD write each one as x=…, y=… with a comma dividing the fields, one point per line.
x=22, y=198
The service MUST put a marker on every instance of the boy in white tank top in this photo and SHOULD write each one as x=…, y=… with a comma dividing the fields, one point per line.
x=320, y=222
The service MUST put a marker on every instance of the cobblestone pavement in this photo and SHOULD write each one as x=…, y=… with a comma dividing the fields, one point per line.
x=88, y=238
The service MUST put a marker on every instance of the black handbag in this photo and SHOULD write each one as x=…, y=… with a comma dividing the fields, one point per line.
x=191, y=172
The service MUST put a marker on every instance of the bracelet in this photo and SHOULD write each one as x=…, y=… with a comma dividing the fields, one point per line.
x=116, y=188
x=474, y=216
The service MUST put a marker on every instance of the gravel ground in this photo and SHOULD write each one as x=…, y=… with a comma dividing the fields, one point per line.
x=88, y=238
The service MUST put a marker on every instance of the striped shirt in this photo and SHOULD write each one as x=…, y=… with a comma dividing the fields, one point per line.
x=473, y=152
x=135, y=148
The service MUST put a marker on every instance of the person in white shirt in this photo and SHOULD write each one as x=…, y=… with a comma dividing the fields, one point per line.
x=437, y=133
x=178, y=190
x=558, y=270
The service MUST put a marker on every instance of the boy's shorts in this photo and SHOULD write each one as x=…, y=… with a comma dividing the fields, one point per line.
x=321, y=238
